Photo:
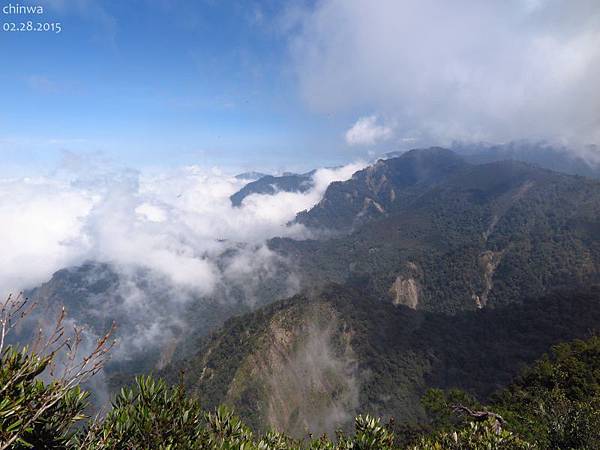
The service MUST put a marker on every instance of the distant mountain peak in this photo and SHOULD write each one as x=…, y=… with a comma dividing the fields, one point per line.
x=380, y=188
x=270, y=185
x=250, y=176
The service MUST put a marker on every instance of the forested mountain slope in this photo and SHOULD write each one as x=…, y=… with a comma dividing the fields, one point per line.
x=155, y=320
x=312, y=361
x=454, y=271
x=486, y=235
x=380, y=189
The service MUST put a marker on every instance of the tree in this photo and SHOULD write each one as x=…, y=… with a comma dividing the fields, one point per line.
x=35, y=414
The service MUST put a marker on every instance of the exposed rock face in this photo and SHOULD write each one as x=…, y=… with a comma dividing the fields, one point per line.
x=370, y=208
x=489, y=262
x=303, y=375
x=405, y=291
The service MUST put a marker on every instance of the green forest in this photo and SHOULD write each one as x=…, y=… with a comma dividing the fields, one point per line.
x=554, y=403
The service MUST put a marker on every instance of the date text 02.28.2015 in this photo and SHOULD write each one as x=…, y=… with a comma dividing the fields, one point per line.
x=30, y=26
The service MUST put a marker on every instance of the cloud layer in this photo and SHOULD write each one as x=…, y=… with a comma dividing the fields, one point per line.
x=467, y=70
x=366, y=131
x=175, y=223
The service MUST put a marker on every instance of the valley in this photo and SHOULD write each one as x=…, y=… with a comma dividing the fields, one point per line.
x=425, y=271
x=307, y=225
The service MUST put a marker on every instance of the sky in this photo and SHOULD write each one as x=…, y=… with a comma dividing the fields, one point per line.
x=155, y=83
x=273, y=85
x=120, y=136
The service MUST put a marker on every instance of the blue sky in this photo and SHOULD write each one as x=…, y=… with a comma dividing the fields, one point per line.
x=273, y=84
x=159, y=82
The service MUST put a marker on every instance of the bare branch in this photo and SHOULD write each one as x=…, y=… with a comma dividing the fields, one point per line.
x=46, y=353
x=481, y=416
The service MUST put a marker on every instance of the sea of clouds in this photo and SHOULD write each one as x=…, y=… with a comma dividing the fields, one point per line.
x=168, y=241
x=172, y=222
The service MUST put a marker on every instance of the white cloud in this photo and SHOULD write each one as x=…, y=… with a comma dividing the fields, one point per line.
x=366, y=131
x=174, y=223
x=151, y=212
x=324, y=177
x=467, y=69
x=42, y=229
x=169, y=237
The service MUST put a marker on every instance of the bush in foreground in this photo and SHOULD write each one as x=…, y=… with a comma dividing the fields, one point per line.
x=554, y=405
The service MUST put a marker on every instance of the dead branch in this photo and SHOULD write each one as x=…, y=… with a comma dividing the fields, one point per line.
x=44, y=353
x=481, y=416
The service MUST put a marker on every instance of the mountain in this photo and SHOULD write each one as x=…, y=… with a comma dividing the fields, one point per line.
x=439, y=273
x=270, y=184
x=312, y=361
x=250, y=176
x=143, y=307
x=155, y=319
x=380, y=189
x=484, y=236
x=543, y=155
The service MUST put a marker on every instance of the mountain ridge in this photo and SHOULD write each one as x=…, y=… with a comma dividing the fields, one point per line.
x=271, y=184
x=486, y=234
x=371, y=191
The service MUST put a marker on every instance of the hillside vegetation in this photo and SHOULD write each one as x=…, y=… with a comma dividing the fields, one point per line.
x=310, y=362
x=438, y=282
x=447, y=236
x=553, y=405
